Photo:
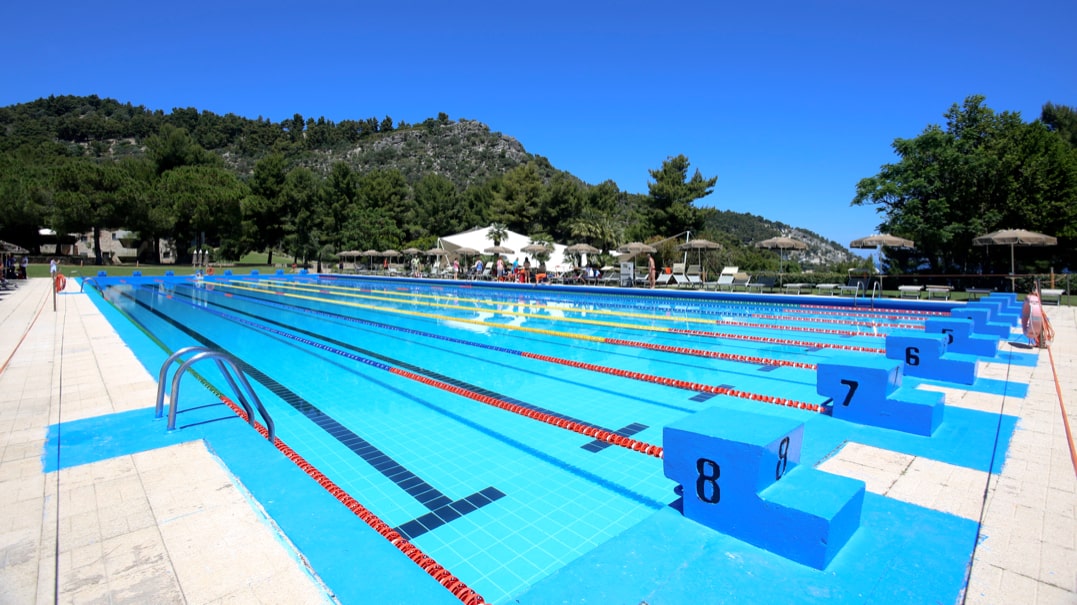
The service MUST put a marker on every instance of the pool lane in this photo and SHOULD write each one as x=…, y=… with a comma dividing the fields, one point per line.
x=385, y=411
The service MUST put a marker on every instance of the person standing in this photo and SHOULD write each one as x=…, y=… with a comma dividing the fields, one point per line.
x=651, y=276
x=53, y=268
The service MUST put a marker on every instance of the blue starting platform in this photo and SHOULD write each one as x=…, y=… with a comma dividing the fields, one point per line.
x=867, y=389
x=740, y=474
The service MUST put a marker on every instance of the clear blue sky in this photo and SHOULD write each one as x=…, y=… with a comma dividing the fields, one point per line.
x=789, y=104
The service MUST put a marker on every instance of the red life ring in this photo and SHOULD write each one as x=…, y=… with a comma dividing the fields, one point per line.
x=60, y=283
x=209, y=271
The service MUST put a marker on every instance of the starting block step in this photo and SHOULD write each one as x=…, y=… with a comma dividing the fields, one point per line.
x=981, y=321
x=740, y=474
x=866, y=389
x=1008, y=299
x=960, y=337
x=925, y=356
x=999, y=311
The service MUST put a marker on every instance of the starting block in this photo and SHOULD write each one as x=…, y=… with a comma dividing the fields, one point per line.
x=741, y=475
x=926, y=356
x=981, y=321
x=867, y=389
x=960, y=337
x=999, y=310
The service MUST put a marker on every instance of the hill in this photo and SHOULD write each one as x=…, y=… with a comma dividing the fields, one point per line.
x=399, y=173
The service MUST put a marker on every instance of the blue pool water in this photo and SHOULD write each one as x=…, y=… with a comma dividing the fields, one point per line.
x=358, y=375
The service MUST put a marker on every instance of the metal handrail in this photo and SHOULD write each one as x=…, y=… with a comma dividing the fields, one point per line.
x=224, y=363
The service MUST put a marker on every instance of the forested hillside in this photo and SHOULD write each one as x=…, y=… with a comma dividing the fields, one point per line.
x=312, y=187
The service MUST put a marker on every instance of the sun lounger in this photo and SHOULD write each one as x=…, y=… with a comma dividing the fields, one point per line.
x=910, y=291
x=830, y=289
x=725, y=278
x=796, y=288
x=725, y=282
x=1052, y=294
x=766, y=282
x=942, y=292
x=664, y=279
x=741, y=281
x=855, y=286
x=694, y=276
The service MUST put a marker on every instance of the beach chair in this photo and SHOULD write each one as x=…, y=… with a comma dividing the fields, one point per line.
x=796, y=288
x=942, y=292
x=855, y=286
x=763, y=283
x=641, y=277
x=725, y=282
x=830, y=289
x=741, y=282
x=910, y=291
x=664, y=279
x=693, y=276
x=725, y=278
x=1051, y=294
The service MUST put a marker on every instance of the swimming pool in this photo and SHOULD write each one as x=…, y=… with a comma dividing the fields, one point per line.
x=476, y=421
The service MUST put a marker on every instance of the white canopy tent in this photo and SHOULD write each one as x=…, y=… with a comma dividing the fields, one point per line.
x=476, y=238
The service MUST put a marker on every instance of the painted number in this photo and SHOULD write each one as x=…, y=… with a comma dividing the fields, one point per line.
x=707, y=482
x=912, y=356
x=949, y=332
x=852, y=384
x=783, y=458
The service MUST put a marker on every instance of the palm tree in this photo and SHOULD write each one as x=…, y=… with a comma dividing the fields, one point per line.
x=497, y=232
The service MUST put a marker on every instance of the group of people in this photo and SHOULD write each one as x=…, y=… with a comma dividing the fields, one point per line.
x=503, y=271
x=14, y=268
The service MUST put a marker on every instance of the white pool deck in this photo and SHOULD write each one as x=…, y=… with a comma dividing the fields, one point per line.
x=172, y=526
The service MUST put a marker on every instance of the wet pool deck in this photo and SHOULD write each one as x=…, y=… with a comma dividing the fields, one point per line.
x=172, y=525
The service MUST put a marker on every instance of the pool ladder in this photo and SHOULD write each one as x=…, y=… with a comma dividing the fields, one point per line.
x=227, y=365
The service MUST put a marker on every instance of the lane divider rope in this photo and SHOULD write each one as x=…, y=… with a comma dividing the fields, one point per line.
x=728, y=336
x=683, y=384
x=390, y=296
x=456, y=586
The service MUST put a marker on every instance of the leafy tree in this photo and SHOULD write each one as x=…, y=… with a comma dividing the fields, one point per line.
x=1061, y=119
x=672, y=194
x=562, y=198
x=517, y=204
x=204, y=203
x=386, y=192
x=438, y=205
x=984, y=171
x=340, y=193
x=263, y=210
x=89, y=196
x=24, y=195
x=174, y=147
x=148, y=217
x=301, y=203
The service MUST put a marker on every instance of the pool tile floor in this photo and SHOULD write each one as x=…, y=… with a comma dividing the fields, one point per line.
x=173, y=526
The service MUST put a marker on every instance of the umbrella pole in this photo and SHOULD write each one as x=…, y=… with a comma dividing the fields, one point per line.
x=1013, y=280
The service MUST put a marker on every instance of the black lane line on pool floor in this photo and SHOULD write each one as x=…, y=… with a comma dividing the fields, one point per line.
x=414, y=368
x=383, y=327
x=442, y=508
